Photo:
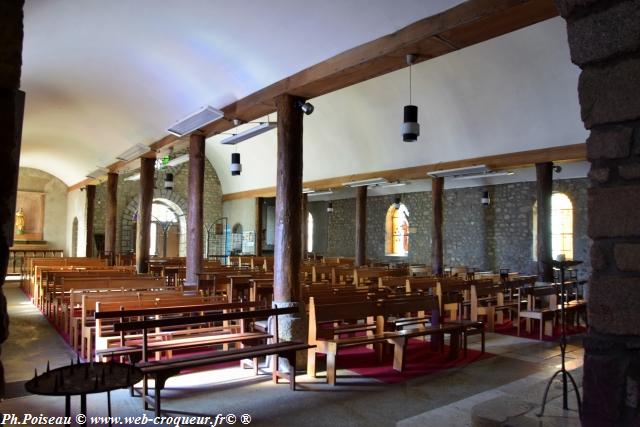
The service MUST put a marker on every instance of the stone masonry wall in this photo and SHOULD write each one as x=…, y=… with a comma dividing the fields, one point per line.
x=604, y=40
x=128, y=200
x=487, y=237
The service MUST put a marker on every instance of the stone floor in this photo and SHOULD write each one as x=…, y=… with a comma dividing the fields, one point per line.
x=441, y=399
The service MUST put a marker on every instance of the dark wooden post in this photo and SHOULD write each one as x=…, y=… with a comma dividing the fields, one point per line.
x=287, y=248
x=304, y=225
x=91, y=206
x=147, y=170
x=110, y=220
x=194, y=216
x=437, y=252
x=258, y=239
x=544, y=175
x=361, y=225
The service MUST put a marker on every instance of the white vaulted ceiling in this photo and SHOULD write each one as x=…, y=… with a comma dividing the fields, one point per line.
x=101, y=77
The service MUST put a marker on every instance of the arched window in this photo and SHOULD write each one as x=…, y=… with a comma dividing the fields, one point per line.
x=397, y=230
x=561, y=227
x=310, y=233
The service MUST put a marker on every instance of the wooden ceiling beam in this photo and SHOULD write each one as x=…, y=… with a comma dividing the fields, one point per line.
x=469, y=23
x=566, y=153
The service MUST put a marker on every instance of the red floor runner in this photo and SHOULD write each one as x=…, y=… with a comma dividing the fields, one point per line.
x=420, y=360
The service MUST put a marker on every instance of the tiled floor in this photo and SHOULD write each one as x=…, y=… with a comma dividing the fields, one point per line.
x=443, y=399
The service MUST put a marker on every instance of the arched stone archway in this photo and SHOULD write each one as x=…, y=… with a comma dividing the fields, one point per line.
x=128, y=219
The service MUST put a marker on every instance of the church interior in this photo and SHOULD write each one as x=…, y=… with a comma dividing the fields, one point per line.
x=338, y=213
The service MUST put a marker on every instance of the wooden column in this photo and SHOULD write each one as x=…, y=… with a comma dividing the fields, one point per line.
x=544, y=175
x=258, y=239
x=143, y=229
x=194, y=216
x=287, y=248
x=361, y=225
x=304, y=225
x=110, y=220
x=437, y=251
x=91, y=206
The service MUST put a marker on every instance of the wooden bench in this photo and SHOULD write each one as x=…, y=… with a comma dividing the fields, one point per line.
x=174, y=338
x=545, y=312
x=161, y=370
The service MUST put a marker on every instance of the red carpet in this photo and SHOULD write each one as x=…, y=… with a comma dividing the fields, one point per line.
x=509, y=328
x=420, y=360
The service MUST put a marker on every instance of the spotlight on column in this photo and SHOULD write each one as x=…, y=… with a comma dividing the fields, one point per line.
x=330, y=207
x=168, y=181
x=485, y=200
x=236, y=167
x=306, y=107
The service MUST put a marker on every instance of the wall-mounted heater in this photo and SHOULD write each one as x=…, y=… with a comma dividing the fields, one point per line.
x=484, y=175
x=249, y=133
x=366, y=182
x=195, y=121
x=471, y=170
x=134, y=152
x=96, y=174
x=178, y=161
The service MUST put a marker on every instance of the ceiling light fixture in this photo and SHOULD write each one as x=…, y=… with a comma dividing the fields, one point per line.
x=485, y=200
x=249, y=133
x=366, y=182
x=394, y=184
x=308, y=190
x=306, y=107
x=330, y=207
x=195, y=121
x=133, y=152
x=134, y=177
x=470, y=170
x=410, y=127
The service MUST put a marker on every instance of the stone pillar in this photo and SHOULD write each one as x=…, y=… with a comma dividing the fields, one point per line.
x=604, y=42
x=544, y=188
x=304, y=225
x=258, y=239
x=145, y=197
x=361, y=225
x=11, y=113
x=110, y=220
x=437, y=252
x=91, y=207
x=288, y=241
x=195, y=214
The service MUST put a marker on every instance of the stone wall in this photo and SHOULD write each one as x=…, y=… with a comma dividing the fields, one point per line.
x=128, y=192
x=487, y=237
x=604, y=40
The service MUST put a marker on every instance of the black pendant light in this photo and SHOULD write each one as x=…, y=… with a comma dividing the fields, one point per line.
x=410, y=127
x=236, y=167
x=168, y=181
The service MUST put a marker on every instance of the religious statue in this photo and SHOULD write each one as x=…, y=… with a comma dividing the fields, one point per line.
x=20, y=221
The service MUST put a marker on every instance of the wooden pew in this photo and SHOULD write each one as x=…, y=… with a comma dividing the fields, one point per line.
x=542, y=306
x=161, y=370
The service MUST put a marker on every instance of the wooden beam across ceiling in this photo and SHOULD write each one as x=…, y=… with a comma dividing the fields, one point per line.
x=566, y=153
x=469, y=23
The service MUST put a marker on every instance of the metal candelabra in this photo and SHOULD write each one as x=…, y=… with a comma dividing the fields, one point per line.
x=562, y=265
